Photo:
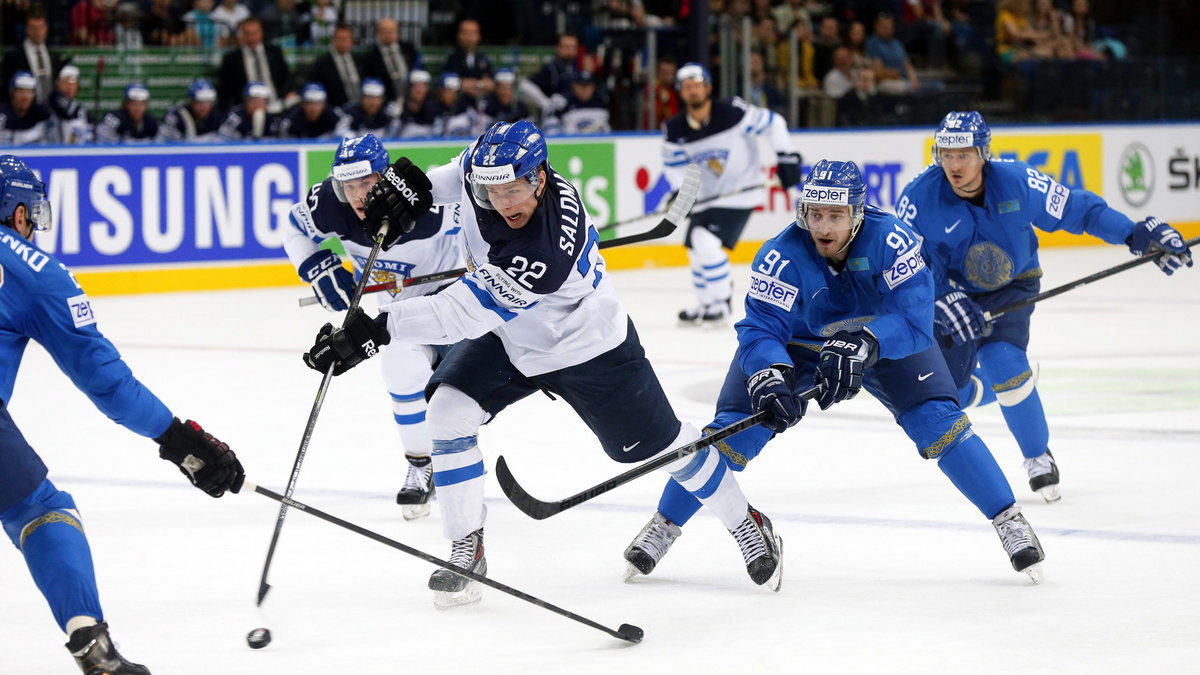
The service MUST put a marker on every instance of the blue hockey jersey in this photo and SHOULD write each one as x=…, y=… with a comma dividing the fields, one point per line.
x=796, y=297
x=981, y=248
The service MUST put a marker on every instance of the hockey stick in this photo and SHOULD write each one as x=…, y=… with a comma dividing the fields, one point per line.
x=625, y=631
x=263, y=586
x=540, y=510
x=706, y=200
x=678, y=211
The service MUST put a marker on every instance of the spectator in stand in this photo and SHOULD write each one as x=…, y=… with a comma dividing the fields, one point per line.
x=893, y=70
x=91, y=23
x=162, y=26
x=763, y=92
x=322, y=20
x=72, y=122
x=389, y=59
x=229, y=15
x=555, y=76
x=201, y=30
x=818, y=9
x=127, y=34
x=664, y=97
x=369, y=114
x=584, y=109
x=840, y=79
x=253, y=61
x=1016, y=40
x=806, y=79
x=24, y=121
x=197, y=119
x=283, y=24
x=313, y=118
x=502, y=105
x=790, y=12
x=33, y=56
x=131, y=123
x=856, y=40
x=474, y=68
x=656, y=13
x=339, y=70
x=765, y=38
x=1080, y=27
x=925, y=31
x=858, y=108
x=456, y=113
x=827, y=40
x=250, y=121
x=419, y=112
x=1046, y=21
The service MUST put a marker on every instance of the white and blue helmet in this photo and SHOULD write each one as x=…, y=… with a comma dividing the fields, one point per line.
x=20, y=187
x=833, y=184
x=506, y=153
x=357, y=158
x=692, y=71
x=201, y=90
x=22, y=79
x=963, y=130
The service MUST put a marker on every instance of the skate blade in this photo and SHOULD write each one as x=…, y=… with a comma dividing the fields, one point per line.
x=1035, y=573
x=415, y=511
x=1050, y=493
x=776, y=581
x=631, y=573
x=473, y=593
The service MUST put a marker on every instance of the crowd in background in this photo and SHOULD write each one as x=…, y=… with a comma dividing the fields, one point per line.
x=849, y=54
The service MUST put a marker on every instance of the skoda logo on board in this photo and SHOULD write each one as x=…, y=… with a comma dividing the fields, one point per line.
x=1135, y=174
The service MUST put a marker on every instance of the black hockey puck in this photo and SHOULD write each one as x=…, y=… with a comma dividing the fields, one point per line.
x=261, y=637
x=627, y=632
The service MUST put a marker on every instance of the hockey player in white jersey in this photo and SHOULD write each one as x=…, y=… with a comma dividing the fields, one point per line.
x=722, y=136
x=335, y=208
x=536, y=311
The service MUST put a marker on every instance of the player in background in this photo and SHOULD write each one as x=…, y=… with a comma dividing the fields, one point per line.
x=132, y=122
x=977, y=216
x=368, y=115
x=72, y=121
x=536, y=311
x=197, y=120
x=40, y=300
x=24, y=121
x=334, y=209
x=843, y=298
x=722, y=136
x=251, y=121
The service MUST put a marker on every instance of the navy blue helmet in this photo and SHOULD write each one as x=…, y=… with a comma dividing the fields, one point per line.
x=20, y=187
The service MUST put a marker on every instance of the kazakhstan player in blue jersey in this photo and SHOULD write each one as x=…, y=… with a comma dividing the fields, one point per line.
x=844, y=298
x=40, y=300
x=977, y=216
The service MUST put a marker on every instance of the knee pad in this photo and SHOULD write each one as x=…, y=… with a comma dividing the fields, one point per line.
x=46, y=505
x=936, y=427
x=453, y=414
x=1007, y=366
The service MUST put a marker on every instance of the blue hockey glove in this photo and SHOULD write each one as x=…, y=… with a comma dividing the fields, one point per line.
x=787, y=167
x=841, y=363
x=207, y=462
x=960, y=317
x=347, y=347
x=771, y=390
x=401, y=196
x=330, y=282
x=1152, y=235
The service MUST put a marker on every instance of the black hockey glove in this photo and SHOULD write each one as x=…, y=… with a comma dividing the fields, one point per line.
x=771, y=390
x=401, y=196
x=1152, y=235
x=207, y=462
x=957, y=315
x=787, y=167
x=347, y=347
x=843, y=359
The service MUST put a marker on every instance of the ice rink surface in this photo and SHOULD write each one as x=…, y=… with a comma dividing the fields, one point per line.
x=887, y=568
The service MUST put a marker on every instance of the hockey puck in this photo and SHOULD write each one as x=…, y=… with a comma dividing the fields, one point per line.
x=627, y=632
x=261, y=637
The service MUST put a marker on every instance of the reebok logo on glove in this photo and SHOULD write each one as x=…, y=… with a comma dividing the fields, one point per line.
x=401, y=186
x=369, y=348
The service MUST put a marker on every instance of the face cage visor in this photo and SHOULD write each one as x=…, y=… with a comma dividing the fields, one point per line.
x=496, y=188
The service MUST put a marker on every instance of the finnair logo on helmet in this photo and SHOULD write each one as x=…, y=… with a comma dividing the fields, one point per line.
x=351, y=171
x=493, y=175
x=959, y=139
x=825, y=195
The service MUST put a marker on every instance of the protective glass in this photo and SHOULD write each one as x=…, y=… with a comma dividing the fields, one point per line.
x=502, y=195
x=828, y=217
x=40, y=216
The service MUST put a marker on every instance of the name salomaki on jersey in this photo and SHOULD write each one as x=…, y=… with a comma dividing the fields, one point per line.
x=432, y=246
x=726, y=149
x=796, y=297
x=983, y=248
x=542, y=289
x=39, y=299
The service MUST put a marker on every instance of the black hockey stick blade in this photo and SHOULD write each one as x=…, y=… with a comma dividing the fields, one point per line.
x=626, y=632
x=540, y=510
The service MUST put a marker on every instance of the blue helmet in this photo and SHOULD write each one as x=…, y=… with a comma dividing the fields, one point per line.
x=963, y=130
x=22, y=79
x=833, y=184
x=505, y=153
x=201, y=90
x=20, y=187
x=136, y=91
x=357, y=158
x=692, y=71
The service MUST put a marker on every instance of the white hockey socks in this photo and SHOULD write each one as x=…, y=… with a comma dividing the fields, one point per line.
x=458, y=469
x=711, y=271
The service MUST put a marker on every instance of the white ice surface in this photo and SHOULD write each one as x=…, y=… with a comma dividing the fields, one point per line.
x=888, y=569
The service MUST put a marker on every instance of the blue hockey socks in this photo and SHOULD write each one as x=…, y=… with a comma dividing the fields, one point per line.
x=973, y=470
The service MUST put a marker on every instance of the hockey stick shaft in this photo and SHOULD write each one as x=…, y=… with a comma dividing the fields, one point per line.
x=625, y=632
x=263, y=586
x=1115, y=269
x=540, y=510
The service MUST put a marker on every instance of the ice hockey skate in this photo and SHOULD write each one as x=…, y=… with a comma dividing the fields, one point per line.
x=94, y=652
x=650, y=545
x=451, y=590
x=1022, y=545
x=762, y=549
x=714, y=315
x=1043, y=476
x=417, y=493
